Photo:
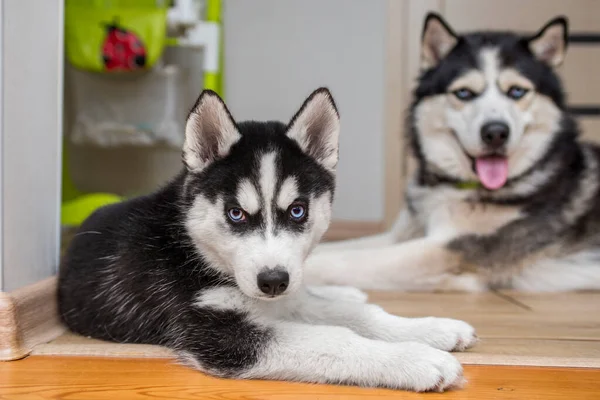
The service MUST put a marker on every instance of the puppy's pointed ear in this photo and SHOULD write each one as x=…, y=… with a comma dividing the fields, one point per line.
x=210, y=131
x=549, y=45
x=316, y=128
x=437, y=40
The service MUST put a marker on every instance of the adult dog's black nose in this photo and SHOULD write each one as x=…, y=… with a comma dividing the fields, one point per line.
x=495, y=134
x=273, y=281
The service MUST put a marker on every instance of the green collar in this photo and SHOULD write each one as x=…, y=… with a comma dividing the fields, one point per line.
x=467, y=185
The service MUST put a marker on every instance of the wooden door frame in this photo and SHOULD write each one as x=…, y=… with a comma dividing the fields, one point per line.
x=404, y=24
x=1, y=146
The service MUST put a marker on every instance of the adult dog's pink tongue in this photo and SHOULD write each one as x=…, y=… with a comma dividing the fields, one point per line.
x=492, y=171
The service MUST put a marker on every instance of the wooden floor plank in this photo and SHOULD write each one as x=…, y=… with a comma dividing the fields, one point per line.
x=534, y=352
x=537, y=347
x=489, y=351
x=128, y=379
x=571, y=302
x=549, y=316
x=536, y=330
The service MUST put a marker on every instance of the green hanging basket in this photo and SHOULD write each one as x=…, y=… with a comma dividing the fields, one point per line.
x=115, y=35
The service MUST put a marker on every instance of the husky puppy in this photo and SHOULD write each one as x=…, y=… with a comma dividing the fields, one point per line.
x=503, y=195
x=211, y=265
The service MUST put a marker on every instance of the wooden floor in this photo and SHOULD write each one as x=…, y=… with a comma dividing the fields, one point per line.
x=560, y=330
x=532, y=347
x=83, y=378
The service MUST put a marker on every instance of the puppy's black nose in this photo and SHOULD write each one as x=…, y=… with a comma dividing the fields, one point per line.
x=273, y=281
x=495, y=134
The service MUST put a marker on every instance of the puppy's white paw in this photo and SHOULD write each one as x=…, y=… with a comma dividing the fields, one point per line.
x=430, y=370
x=446, y=334
x=340, y=293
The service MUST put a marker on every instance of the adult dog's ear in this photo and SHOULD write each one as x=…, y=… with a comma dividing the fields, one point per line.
x=550, y=43
x=210, y=131
x=316, y=128
x=437, y=40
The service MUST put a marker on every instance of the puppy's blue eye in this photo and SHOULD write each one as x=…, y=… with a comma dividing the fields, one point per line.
x=236, y=214
x=516, y=92
x=464, y=94
x=297, y=212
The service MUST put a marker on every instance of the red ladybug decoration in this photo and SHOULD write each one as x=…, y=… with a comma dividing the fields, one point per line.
x=122, y=49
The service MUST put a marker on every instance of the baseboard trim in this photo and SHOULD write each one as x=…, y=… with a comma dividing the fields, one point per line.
x=342, y=230
x=28, y=317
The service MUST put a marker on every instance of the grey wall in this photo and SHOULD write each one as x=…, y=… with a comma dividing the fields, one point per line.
x=278, y=51
x=31, y=139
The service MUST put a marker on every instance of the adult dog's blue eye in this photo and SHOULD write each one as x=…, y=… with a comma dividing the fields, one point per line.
x=297, y=212
x=516, y=92
x=464, y=94
x=236, y=214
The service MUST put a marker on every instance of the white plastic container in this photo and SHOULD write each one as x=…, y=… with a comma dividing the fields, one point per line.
x=141, y=109
x=134, y=163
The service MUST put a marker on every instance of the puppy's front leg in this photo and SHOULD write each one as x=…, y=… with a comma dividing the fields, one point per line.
x=417, y=265
x=331, y=354
x=231, y=335
x=373, y=322
x=339, y=293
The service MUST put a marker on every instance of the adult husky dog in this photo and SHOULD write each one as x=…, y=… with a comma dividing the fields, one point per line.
x=211, y=265
x=504, y=196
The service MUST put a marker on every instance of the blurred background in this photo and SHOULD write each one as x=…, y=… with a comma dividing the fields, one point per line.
x=95, y=94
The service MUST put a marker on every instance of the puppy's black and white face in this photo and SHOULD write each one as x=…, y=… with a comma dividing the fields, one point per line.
x=260, y=193
x=487, y=105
